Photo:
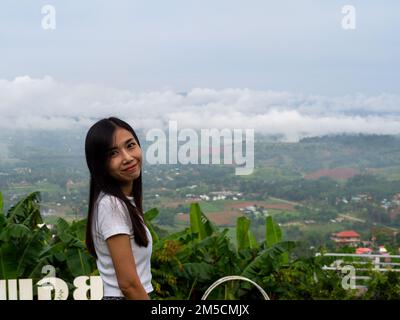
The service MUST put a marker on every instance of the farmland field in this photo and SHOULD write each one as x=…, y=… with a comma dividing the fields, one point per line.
x=225, y=212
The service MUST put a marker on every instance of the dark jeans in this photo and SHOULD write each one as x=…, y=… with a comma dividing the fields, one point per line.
x=151, y=295
x=113, y=298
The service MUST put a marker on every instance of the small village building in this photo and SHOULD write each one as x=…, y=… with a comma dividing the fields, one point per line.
x=346, y=238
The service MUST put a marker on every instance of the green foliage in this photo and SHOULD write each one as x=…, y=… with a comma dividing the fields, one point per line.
x=384, y=286
x=26, y=211
x=1, y=203
x=68, y=251
x=21, y=238
x=202, y=254
x=148, y=217
x=27, y=245
x=305, y=279
x=199, y=223
x=185, y=263
x=273, y=232
x=244, y=236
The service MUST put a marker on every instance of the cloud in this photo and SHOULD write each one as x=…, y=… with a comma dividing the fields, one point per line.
x=46, y=103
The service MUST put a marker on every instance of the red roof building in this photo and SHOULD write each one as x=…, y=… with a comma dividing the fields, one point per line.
x=346, y=238
x=363, y=251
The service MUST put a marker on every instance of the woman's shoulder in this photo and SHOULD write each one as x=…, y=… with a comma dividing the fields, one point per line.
x=111, y=216
x=108, y=200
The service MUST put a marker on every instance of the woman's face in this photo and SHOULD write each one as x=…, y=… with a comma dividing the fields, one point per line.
x=125, y=157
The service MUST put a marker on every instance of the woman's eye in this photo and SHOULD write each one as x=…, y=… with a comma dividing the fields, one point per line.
x=113, y=153
x=131, y=145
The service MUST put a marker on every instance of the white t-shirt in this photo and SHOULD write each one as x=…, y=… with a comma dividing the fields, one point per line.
x=111, y=217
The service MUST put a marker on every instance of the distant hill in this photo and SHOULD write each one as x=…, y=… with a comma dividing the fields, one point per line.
x=335, y=174
x=338, y=156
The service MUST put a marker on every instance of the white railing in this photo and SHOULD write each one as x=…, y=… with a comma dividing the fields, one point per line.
x=374, y=260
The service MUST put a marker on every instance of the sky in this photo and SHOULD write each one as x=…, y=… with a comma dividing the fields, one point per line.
x=276, y=66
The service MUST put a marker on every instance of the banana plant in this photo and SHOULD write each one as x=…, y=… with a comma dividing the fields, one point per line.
x=1, y=204
x=199, y=223
x=244, y=236
x=273, y=233
x=184, y=264
x=21, y=238
x=26, y=212
x=26, y=244
x=69, y=250
x=148, y=217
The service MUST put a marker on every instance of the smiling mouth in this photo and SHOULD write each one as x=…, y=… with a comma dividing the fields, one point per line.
x=132, y=168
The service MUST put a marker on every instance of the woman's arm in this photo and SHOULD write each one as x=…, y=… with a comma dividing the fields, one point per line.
x=125, y=267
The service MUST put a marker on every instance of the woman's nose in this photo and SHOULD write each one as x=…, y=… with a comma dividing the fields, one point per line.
x=126, y=155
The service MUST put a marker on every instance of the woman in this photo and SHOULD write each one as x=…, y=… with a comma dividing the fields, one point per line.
x=116, y=234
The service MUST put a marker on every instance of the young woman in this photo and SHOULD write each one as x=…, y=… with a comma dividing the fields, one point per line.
x=116, y=234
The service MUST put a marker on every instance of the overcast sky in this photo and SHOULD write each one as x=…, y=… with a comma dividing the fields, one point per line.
x=275, y=66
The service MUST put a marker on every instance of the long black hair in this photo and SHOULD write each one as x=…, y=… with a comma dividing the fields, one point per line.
x=99, y=140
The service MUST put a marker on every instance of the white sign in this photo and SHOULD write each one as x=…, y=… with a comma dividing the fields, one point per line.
x=52, y=288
